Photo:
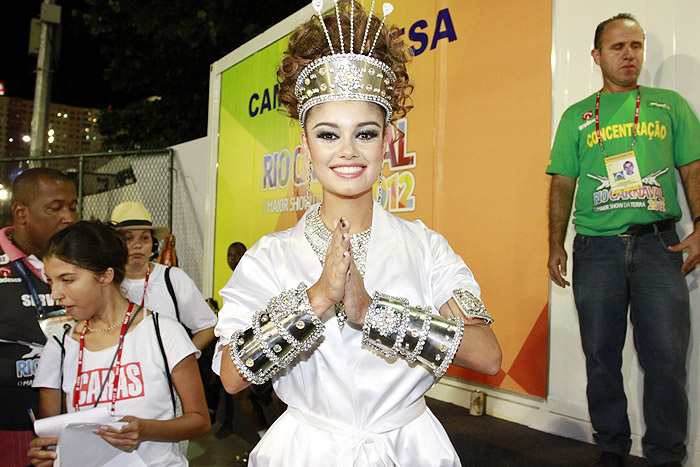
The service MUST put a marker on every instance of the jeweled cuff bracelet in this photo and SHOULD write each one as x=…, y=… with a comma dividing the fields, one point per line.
x=288, y=326
x=392, y=327
x=278, y=335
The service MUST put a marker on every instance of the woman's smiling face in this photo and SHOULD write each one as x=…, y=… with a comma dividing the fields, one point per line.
x=345, y=140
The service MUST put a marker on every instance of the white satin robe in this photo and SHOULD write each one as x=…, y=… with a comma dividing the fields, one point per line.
x=348, y=406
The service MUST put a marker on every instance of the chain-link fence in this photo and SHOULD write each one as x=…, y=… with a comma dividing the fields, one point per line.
x=105, y=180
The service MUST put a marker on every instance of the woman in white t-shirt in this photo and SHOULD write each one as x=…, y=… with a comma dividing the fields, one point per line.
x=84, y=264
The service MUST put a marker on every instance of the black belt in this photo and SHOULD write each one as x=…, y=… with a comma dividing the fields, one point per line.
x=641, y=229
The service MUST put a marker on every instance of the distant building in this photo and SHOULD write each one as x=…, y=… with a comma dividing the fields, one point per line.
x=70, y=130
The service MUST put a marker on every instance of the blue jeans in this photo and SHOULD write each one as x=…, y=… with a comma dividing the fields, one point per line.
x=609, y=274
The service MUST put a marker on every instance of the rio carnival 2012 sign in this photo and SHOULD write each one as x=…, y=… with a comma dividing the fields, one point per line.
x=284, y=167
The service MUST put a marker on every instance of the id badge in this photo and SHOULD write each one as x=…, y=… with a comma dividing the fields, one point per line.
x=55, y=322
x=623, y=172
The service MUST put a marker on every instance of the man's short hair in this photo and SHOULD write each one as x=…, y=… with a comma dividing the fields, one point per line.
x=24, y=187
x=601, y=27
x=239, y=245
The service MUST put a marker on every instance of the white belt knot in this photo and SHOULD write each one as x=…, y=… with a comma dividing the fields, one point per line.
x=375, y=443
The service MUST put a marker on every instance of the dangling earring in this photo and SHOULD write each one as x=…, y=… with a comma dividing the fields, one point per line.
x=308, y=186
x=380, y=190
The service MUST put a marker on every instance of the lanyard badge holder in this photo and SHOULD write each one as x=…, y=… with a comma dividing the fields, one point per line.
x=622, y=169
x=51, y=322
x=126, y=324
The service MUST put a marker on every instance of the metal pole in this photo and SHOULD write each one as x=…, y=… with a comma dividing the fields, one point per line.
x=81, y=169
x=37, y=147
x=171, y=169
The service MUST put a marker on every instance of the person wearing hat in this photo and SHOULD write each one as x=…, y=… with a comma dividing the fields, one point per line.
x=146, y=282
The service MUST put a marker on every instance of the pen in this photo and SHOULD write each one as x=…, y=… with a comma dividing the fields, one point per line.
x=33, y=419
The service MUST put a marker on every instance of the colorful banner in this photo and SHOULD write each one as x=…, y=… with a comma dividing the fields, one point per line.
x=469, y=165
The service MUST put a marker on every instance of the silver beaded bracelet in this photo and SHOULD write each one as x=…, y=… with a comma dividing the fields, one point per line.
x=471, y=305
x=392, y=327
x=287, y=327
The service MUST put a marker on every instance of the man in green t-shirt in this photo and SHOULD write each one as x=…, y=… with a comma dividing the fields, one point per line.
x=623, y=146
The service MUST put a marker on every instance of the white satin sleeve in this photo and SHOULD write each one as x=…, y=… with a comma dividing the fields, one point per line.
x=449, y=271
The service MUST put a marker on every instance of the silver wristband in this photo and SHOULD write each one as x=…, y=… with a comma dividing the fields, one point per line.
x=287, y=327
x=392, y=327
x=471, y=305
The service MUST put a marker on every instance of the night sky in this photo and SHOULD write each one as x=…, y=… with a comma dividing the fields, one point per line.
x=77, y=80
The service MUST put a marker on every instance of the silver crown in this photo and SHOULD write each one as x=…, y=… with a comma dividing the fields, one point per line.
x=346, y=76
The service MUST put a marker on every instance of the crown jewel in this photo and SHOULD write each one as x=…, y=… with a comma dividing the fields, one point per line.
x=346, y=75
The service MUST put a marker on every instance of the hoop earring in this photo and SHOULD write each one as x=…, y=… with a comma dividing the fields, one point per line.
x=380, y=190
x=308, y=186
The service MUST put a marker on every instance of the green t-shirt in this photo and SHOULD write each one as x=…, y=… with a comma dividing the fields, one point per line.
x=668, y=136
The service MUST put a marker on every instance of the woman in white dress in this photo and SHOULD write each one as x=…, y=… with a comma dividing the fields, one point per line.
x=84, y=264
x=389, y=304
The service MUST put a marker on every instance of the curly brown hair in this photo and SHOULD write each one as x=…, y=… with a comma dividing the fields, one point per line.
x=309, y=43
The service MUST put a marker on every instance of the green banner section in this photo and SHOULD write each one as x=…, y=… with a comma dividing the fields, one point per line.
x=261, y=176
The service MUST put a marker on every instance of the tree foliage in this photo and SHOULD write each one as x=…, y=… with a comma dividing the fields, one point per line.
x=162, y=50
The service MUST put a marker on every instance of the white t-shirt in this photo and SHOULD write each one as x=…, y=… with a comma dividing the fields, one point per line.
x=143, y=385
x=195, y=314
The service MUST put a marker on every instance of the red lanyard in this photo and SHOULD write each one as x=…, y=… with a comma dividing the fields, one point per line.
x=636, y=120
x=118, y=364
x=145, y=285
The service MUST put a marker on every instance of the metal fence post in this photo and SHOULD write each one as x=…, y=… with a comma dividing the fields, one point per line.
x=171, y=169
x=80, y=187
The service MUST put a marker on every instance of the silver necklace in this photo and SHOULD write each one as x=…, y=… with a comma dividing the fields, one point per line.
x=319, y=237
x=114, y=326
